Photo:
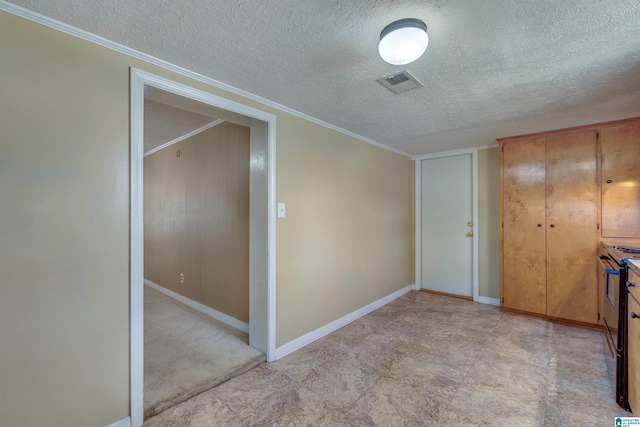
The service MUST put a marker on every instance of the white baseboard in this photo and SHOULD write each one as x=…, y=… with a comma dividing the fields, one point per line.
x=306, y=339
x=125, y=422
x=224, y=318
x=487, y=300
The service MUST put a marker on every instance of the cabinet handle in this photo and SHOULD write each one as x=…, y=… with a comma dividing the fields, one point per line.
x=634, y=316
x=552, y=225
x=609, y=181
x=630, y=284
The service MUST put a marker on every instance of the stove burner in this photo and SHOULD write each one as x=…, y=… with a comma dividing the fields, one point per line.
x=628, y=249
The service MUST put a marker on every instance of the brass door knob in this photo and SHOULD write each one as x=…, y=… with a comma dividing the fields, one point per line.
x=469, y=234
x=470, y=224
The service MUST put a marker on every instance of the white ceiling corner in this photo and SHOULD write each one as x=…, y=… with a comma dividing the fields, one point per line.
x=492, y=69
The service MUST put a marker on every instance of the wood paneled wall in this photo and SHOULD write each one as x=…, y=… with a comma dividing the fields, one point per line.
x=196, y=218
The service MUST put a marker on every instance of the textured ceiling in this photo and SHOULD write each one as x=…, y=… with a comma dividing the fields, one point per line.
x=493, y=68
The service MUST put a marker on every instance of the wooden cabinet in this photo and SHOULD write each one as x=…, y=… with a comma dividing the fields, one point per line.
x=620, y=154
x=572, y=232
x=524, y=226
x=549, y=234
x=560, y=192
x=633, y=344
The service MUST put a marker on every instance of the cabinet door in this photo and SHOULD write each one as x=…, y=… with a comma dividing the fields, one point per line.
x=620, y=148
x=523, y=244
x=633, y=346
x=572, y=226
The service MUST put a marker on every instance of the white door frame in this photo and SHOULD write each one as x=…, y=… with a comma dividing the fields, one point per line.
x=259, y=316
x=418, y=216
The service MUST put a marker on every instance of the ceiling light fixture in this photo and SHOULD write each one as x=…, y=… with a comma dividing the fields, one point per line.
x=403, y=41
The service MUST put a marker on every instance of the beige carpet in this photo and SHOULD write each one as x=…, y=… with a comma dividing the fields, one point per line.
x=186, y=352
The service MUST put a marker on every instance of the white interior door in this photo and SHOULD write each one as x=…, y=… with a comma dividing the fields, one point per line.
x=446, y=221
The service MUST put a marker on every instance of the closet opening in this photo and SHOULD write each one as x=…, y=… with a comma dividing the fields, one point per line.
x=202, y=241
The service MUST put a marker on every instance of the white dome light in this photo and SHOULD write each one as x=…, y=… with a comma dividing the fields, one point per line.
x=403, y=41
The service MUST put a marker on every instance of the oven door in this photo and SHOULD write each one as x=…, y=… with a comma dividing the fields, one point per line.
x=611, y=304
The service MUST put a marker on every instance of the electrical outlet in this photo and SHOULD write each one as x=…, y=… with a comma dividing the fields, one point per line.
x=181, y=278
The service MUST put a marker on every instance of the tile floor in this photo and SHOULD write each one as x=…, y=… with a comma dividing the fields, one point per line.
x=422, y=360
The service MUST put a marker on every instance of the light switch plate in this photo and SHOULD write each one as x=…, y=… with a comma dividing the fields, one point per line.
x=281, y=213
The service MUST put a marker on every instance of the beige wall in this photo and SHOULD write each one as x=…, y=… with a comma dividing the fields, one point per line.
x=64, y=312
x=64, y=248
x=196, y=218
x=489, y=227
x=347, y=239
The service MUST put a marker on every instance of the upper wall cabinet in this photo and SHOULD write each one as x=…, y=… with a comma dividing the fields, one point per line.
x=620, y=154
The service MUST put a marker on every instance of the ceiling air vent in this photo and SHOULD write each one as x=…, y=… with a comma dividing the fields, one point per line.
x=400, y=82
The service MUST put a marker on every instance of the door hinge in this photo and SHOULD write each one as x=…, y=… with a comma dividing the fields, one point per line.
x=597, y=135
x=598, y=316
x=598, y=226
x=503, y=225
x=503, y=148
x=503, y=300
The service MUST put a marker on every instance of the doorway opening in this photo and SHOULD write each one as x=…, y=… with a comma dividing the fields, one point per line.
x=261, y=127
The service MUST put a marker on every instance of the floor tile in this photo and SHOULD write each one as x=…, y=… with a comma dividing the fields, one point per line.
x=298, y=364
x=339, y=381
x=291, y=405
x=239, y=392
x=497, y=403
x=390, y=403
x=424, y=360
x=199, y=411
x=437, y=381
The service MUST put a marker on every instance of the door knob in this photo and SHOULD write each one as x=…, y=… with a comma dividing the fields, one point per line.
x=552, y=225
x=470, y=224
x=469, y=234
x=634, y=316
